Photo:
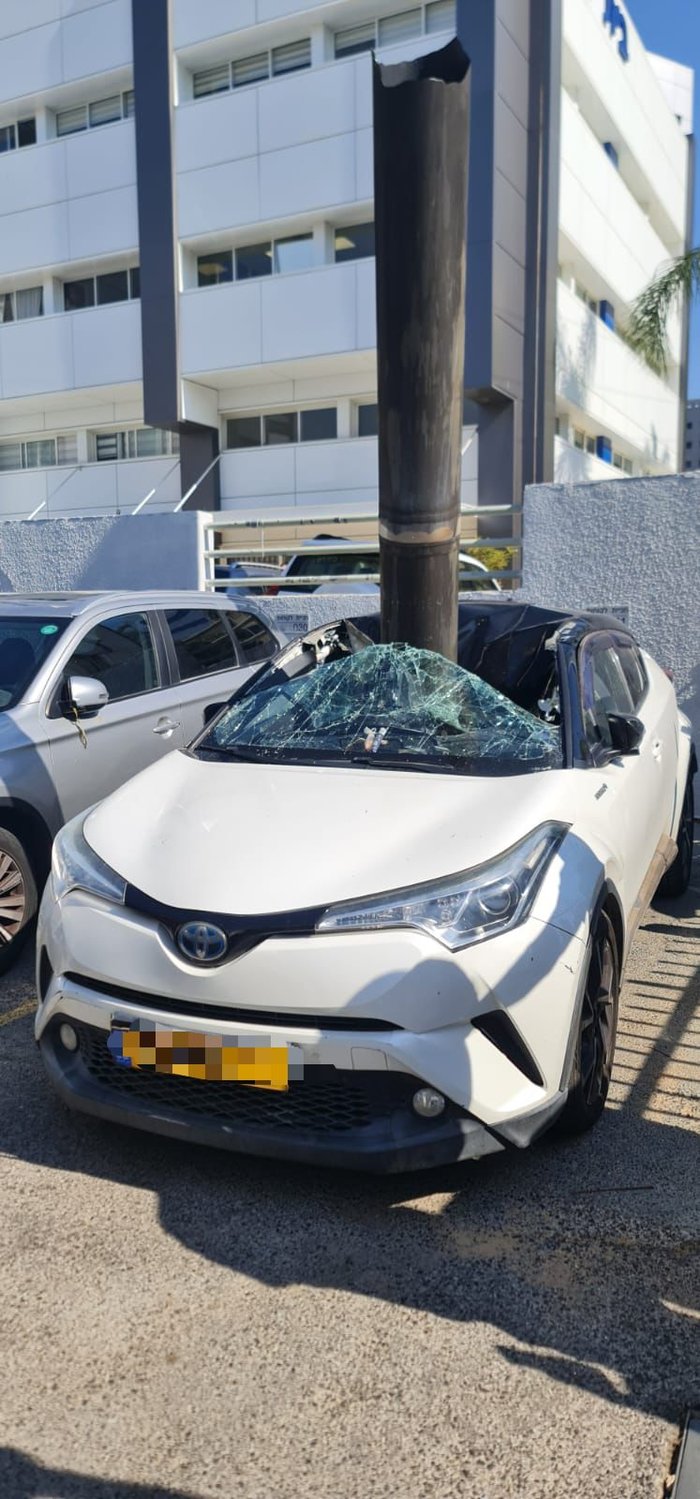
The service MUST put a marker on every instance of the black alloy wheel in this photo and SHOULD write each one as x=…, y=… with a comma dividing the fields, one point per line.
x=595, y=1042
x=18, y=899
x=677, y=878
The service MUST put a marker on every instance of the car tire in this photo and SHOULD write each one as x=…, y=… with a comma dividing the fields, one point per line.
x=677, y=877
x=18, y=898
x=597, y=1029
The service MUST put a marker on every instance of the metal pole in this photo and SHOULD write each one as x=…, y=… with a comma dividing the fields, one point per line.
x=421, y=124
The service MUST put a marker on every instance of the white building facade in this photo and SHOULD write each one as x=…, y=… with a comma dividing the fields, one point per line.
x=186, y=249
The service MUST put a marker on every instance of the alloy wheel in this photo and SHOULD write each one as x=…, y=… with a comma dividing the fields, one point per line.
x=13, y=899
x=598, y=1022
x=686, y=834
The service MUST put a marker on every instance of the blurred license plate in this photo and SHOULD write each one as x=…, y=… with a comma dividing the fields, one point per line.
x=202, y=1055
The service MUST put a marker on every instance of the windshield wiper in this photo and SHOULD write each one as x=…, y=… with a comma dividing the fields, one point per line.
x=227, y=752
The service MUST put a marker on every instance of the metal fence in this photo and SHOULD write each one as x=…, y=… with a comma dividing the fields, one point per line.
x=263, y=547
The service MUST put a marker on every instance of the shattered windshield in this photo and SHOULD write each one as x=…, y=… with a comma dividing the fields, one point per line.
x=389, y=706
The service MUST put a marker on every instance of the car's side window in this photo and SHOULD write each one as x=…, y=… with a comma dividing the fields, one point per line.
x=604, y=688
x=255, y=642
x=633, y=669
x=202, y=641
x=120, y=653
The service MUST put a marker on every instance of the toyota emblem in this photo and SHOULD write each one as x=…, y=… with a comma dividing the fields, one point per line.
x=202, y=942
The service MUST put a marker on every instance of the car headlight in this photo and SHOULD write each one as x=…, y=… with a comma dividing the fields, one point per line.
x=464, y=908
x=75, y=866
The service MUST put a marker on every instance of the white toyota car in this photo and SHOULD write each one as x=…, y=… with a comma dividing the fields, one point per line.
x=376, y=915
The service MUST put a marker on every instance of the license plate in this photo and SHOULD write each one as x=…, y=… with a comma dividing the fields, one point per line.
x=202, y=1055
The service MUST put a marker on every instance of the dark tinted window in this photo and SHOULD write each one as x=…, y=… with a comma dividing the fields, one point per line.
x=633, y=669
x=135, y=280
x=202, y=642
x=354, y=241
x=26, y=132
x=253, y=260
x=24, y=645
x=215, y=267
x=119, y=653
x=255, y=642
x=78, y=294
x=243, y=432
x=112, y=287
x=367, y=421
x=316, y=426
x=282, y=427
x=335, y=564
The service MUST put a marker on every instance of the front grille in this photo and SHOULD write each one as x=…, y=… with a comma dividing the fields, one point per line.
x=284, y=1019
x=325, y=1100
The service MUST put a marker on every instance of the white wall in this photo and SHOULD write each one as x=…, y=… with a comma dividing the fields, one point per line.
x=283, y=148
x=327, y=310
x=134, y=552
x=95, y=489
x=634, y=544
x=68, y=199
x=71, y=350
x=599, y=374
x=47, y=43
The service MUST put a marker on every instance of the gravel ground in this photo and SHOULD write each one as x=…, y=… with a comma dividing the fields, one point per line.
x=179, y=1324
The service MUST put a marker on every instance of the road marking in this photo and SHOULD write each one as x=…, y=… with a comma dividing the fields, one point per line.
x=25, y=1009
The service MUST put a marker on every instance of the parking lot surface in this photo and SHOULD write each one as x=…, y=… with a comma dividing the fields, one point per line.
x=176, y=1322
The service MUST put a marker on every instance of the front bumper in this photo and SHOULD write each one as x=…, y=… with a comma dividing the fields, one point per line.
x=396, y=1014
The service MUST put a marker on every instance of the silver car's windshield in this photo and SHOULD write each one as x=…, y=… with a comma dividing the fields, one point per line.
x=24, y=645
x=388, y=706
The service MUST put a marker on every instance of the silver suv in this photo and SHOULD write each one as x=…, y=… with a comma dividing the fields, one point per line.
x=94, y=687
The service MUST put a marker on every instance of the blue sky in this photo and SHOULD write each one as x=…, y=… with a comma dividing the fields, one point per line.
x=672, y=27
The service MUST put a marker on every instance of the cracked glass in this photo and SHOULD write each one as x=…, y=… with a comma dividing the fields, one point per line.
x=387, y=706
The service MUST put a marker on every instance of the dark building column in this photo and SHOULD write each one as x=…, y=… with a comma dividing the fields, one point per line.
x=539, y=412
x=158, y=251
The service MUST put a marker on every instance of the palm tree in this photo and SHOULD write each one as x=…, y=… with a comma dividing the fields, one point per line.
x=647, y=327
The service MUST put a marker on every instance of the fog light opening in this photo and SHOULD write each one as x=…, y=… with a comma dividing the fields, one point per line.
x=69, y=1037
x=428, y=1103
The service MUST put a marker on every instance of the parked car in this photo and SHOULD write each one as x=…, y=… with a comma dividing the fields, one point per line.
x=338, y=559
x=94, y=687
x=377, y=914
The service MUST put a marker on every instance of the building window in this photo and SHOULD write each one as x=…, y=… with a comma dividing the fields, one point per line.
x=354, y=242
x=255, y=69
x=137, y=442
x=611, y=151
x=280, y=428
x=99, y=291
x=21, y=134
x=40, y=452
x=368, y=419
x=403, y=26
x=606, y=312
x=294, y=253
x=584, y=296
x=97, y=112
x=320, y=425
x=25, y=303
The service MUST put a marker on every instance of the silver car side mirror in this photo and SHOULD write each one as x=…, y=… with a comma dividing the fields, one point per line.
x=86, y=696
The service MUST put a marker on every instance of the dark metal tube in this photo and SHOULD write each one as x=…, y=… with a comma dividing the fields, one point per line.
x=421, y=124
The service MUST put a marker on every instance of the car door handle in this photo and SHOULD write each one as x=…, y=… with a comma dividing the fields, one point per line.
x=657, y=748
x=165, y=726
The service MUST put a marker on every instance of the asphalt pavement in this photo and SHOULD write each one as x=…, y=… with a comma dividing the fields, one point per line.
x=182, y=1324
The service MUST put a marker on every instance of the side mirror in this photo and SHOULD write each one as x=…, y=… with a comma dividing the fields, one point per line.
x=211, y=711
x=626, y=733
x=86, y=696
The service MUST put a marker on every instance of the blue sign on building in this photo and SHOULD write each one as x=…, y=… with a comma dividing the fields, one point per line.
x=614, y=18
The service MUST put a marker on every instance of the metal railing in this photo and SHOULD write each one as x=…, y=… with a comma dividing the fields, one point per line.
x=263, y=546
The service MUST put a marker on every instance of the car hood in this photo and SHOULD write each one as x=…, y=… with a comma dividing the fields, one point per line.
x=253, y=839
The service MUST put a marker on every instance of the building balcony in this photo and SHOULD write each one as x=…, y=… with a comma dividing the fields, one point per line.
x=291, y=146
x=325, y=311
x=68, y=199
x=94, y=489
x=598, y=374
x=45, y=46
x=574, y=466
x=210, y=18
x=99, y=346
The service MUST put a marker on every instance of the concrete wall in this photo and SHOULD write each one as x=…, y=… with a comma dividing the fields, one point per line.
x=137, y=552
x=631, y=544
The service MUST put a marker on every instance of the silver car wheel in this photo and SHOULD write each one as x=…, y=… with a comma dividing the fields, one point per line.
x=13, y=899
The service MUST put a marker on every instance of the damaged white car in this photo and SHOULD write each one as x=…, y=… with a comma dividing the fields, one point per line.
x=376, y=915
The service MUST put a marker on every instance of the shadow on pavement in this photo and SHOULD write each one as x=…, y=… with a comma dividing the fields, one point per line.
x=581, y=1251
x=24, y=1479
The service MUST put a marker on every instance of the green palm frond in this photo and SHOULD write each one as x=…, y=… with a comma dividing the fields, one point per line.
x=646, y=332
